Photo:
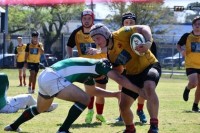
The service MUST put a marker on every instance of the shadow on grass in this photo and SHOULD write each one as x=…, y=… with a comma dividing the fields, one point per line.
x=122, y=124
x=190, y=111
x=92, y=125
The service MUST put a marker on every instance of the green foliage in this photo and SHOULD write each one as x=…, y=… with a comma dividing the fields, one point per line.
x=150, y=14
x=18, y=18
x=190, y=17
x=48, y=19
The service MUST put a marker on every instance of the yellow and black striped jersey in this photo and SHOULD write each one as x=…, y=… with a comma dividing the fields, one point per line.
x=83, y=41
x=122, y=54
x=33, y=52
x=192, y=47
x=20, y=52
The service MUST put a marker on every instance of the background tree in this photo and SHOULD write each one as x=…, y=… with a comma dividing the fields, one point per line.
x=196, y=12
x=151, y=14
x=49, y=21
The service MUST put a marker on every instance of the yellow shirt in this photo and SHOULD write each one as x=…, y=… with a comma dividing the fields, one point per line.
x=33, y=53
x=192, y=52
x=83, y=42
x=122, y=54
x=20, y=52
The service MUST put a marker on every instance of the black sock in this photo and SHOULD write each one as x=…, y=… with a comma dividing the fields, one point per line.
x=26, y=115
x=73, y=114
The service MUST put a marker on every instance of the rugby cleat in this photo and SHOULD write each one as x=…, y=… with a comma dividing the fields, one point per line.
x=119, y=119
x=100, y=118
x=9, y=128
x=153, y=129
x=196, y=109
x=63, y=132
x=142, y=116
x=89, y=116
x=52, y=107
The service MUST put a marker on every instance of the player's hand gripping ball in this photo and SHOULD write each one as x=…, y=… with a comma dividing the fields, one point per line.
x=135, y=40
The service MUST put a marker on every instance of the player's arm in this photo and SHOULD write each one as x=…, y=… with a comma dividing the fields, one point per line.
x=69, y=52
x=92, y=90
x=123, y=81
x=71, y=43
x=41, y=48
x=181, y=43
x=119, y=69
x=26, y=52
x=146, y=32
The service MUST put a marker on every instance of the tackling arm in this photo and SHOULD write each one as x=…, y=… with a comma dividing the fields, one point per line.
x=123, y=81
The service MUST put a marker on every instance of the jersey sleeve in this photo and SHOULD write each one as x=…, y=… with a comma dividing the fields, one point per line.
x=183, y=39
x=72, y=41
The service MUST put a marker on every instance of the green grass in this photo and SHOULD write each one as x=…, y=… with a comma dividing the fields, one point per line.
x=175, y=115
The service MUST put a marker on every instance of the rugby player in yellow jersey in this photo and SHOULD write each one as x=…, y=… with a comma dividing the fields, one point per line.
x=86, y=47
x=130, y=19
x=191, y=51
x=20, y=58
x=33, y=53
x=143, y=71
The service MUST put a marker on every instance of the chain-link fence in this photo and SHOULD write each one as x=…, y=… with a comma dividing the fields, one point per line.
x=167, y=53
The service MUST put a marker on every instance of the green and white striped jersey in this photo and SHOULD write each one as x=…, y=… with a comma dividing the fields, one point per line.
x=82, y=70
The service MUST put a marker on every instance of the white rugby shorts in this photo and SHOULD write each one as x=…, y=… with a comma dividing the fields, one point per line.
x=50, y=82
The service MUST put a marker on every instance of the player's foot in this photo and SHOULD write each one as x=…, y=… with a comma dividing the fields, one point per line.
x=29, y=90
x=142, y=116
x=24, y=83
x=33, y=91
x=52, y=107
x=119, y=119
x=63, y=132
x=129, y=131
x=9, y=128
x=196, y=109
x=153, y=129
x=186, y=94
x=89, y=116
x=19, y=85
x=100, y=118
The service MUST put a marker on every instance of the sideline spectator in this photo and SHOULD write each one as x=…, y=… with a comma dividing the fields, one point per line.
x=20, y=58
x=33, y=53
x=188, y=46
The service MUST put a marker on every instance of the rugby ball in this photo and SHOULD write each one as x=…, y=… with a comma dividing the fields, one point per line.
x=135, y=40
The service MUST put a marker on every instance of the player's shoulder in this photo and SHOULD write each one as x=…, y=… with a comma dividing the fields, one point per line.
x=185, y=35
x=77, y=30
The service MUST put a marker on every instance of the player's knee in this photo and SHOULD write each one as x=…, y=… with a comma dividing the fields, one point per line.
x=80, y=106
x=84, y=99
x=87, y=99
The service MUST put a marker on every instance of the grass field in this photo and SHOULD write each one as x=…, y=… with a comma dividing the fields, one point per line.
x=175, y=115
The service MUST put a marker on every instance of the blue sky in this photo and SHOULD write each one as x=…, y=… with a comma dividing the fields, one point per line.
x=102, y=11
x=171, y=3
